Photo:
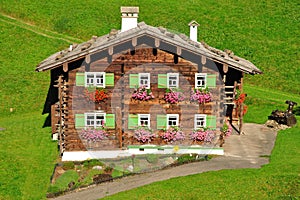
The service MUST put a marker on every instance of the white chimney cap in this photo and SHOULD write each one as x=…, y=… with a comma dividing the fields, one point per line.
x=194, y=23
x=129, y=9
x=129, y=17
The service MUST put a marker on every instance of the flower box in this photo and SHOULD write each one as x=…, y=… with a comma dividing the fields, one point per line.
x=202, y=135
x=95, y=95
x=172, y=135
x=201, y=96
x=143, y=134
x=173, y=96
x=142, y=94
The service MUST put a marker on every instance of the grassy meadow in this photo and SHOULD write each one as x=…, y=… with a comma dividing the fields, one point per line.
x=265, y=32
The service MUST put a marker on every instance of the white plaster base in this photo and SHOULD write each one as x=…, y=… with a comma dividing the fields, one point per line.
x=139, y=150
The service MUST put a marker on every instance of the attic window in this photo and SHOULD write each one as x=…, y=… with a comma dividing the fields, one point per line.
x=144, y=80
x=200, y=80
x=96, y=79
x=173, y=80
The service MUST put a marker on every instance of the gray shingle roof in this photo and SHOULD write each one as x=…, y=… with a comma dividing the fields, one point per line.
x=115, y=37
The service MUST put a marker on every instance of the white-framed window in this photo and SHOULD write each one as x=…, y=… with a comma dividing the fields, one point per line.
x=144, y=120
x=173, y=80
x=94, y=119
x=144, y=80
x=96, y=79
x=199, y=121
x=172, y=120
x=200, y=80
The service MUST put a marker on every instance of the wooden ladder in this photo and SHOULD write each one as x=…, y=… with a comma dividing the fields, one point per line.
x=62, y=112
x=230, y=96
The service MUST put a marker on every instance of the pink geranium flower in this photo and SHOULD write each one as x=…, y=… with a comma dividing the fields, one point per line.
x=173, y=96
x=201, y=95
x=142, y=94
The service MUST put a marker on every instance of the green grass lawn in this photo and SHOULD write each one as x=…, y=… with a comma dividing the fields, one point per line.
x=265, y=32
x=262, y=101
x=27, y=157
x=278, y=180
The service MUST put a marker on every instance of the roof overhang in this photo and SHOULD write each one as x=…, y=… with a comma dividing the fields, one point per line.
x=159, y=38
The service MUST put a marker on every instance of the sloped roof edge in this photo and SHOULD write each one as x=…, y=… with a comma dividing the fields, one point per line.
x=96, y=44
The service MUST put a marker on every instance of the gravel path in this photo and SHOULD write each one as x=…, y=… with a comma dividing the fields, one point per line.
x=241, y=151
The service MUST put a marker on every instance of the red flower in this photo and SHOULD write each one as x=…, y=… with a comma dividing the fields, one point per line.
x=97, y=95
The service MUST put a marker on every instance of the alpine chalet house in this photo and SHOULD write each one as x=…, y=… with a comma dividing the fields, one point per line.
x=142, y=89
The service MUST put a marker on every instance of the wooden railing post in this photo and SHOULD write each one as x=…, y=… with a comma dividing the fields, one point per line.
x=119, y=126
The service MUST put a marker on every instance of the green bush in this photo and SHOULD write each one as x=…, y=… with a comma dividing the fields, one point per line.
x=92, y=163
x=108, y=169
x=152, y=158
x=185, y=158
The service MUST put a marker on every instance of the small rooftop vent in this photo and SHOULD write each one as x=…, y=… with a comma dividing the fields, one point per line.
x=129, y=17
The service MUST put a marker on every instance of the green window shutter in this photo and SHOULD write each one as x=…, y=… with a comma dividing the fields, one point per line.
x=109, y=79
x=132, y=121
x=161, y=121
x=162, y=80
x=211, y=122
x=79, y=121
x=80, y=79
x=211, y=80
x=133, y=80
x=110, y=121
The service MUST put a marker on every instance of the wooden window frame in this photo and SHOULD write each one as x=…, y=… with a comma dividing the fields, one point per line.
x=205, y=80
x=94, y=114
x=196, y=120
x=168, y=80
x=94, y=79
x=148, y=77
x=144, y=115
x=172, y=115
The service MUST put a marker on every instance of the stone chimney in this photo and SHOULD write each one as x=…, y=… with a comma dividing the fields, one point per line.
x=129, y=18
x=193, y=30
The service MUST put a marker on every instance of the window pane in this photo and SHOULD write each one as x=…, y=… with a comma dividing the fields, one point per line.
x=173, y=80
x=144, y=120
x=144, y=80
x=90, y=76
x=172, y=118
x=200, y=80
x=172, y=121
x=90, y=119
x=99, y=79
x=90, y=79
x=99, y=120
x=200, y=121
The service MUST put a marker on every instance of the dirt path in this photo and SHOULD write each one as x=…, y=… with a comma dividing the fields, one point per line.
x=241, y=151
x=43, y=32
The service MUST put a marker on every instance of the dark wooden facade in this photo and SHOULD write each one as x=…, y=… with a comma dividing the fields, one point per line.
x=122, y=55
x=143, y=59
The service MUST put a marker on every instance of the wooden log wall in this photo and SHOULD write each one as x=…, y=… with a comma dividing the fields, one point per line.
x=142, y=60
